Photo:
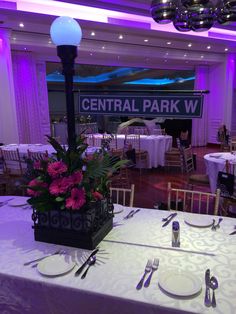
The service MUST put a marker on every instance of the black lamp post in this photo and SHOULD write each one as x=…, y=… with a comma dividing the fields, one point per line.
x=66, y=34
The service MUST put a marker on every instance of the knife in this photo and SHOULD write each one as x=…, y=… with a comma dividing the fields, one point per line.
x=129, y=214
x=133, y=213
x=207, y=300
x=234, y=232
x=169, y=220
x=85, y=263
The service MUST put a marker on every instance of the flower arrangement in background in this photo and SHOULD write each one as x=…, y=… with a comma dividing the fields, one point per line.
x=70, y=179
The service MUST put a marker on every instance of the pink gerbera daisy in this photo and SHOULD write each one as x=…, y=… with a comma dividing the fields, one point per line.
x=36, y=183
x=76, y=177
x=56, y=168
x=60, y=186
x=76, y=200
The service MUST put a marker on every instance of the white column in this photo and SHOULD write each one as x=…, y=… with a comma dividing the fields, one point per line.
x=221, y=83
x=8, y=118
x=200, y=126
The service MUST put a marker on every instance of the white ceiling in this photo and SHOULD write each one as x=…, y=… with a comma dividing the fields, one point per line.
x=105, y=47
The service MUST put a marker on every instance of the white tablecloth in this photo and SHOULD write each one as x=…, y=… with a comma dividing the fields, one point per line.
x=214, y=163
x=155, y=145
x=39, y=148
x=110, y=285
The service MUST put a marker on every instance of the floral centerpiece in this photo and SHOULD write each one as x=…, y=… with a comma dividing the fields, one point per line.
x=69, y=192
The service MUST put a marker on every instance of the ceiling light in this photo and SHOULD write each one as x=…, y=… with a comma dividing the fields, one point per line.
x=202, y=57
x=185, y=55
x=121, y=37
x=14, y=38
x=21, y=25
x=193, y=15
x=91, y=53
x=168, y=43
x=49, y=41
x=226, y=49
x=103, y=47
x=92, y=34
x=189, y=45
x=208, y=47
x=145, y=40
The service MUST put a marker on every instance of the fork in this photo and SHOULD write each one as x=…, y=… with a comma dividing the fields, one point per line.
x=41, y=258
x=166, y=218
x=213, y=225
x=154, y=268
x=148, y=268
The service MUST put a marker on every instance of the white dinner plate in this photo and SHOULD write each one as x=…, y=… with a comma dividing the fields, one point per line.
x=18, y=201
x=118, y=208
x=55, y=265
x=199, y=221
x=177, y=283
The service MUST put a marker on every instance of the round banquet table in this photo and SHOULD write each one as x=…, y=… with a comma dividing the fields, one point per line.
x=216, y=162
x=39, y=148
x=155, y=145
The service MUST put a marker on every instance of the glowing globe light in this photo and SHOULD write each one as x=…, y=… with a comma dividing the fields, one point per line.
x=65, y=31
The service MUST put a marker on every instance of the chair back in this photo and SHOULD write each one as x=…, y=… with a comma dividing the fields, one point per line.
x=12, y=163
x=37, y=155
x=193, y=201
x=123, y=196
x=188, y=159
x=111, y=139
x=133, y=140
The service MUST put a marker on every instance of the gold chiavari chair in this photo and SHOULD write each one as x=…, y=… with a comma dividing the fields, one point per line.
x=14, y=168
x=37, y=155
x=192, y=200
x=133, y=141
x=123, y=196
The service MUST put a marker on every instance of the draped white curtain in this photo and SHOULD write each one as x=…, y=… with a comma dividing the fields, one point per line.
x=8, y=120
x=31, y=98
x=200, y=126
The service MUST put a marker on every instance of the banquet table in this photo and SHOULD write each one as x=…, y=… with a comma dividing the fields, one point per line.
x=155, y=145
x=216, y=162
x=110, y=285
x=39, y=148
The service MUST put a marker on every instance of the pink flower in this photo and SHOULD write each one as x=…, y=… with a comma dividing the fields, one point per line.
x=60, y=186
x=56, y=168
x=76, y=177
x=37, y=165
x=36, y=183
x=76, y=200
x=97, y=195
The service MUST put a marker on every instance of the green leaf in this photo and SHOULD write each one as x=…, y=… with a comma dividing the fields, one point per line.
x=59, y=199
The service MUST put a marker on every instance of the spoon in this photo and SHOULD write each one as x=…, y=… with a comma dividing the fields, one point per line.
x=213, y=225
x=214, y=286
x=218, y=224
x=91, y=262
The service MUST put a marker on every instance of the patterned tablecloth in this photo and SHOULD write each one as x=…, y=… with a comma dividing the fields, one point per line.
x=110, y=285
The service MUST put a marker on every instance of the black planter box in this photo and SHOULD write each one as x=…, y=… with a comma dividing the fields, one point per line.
x=73, y=238
x=82, y=229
